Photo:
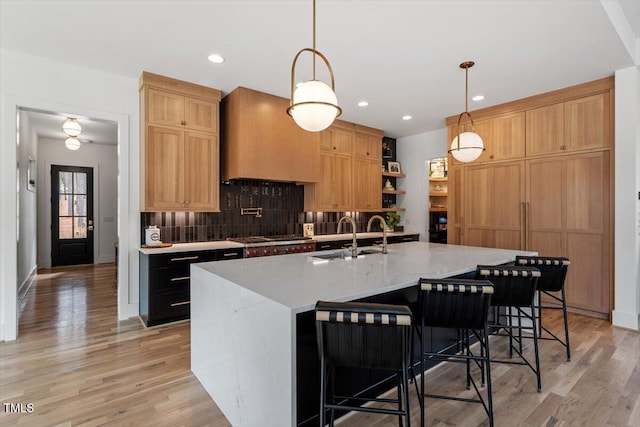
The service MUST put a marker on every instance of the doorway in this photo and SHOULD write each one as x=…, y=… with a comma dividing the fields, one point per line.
x=71, y=215
x=438, y=194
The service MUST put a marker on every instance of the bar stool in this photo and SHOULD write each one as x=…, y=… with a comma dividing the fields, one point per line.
x=462, y=305
x=363, y=335
x=515, y=288
x=554, y=272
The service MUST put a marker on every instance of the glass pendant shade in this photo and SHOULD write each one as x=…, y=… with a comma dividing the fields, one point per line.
x=72, y=143
x=71, y=127
x=469, y=147
x=314, y=106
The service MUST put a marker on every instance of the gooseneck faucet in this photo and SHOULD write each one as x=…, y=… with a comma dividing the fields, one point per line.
x=354, y=247
x=383, y=223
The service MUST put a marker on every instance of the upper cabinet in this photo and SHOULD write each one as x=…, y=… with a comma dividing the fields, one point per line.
x=179, y=148
x=350, y=165
x=503, y=137
x=261, y=141
x=575, y=125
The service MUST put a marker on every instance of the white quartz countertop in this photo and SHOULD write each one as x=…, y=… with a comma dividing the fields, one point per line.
x=196, y=246
x=227, y=244
x=297, y=281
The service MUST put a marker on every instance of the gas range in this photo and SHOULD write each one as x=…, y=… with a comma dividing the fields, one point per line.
x=257, y=246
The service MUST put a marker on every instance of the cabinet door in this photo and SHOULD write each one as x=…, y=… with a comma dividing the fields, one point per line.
x=494, y=197
x=455, y=203
x=337, y=140
x=508, y=136
x=587, y=219
x=201, y=171
x=569, y=216
x=201, y=115
x=164, y=164
x=545, y=130
x=587, y=122
x=165, y=108
x=343, y=181
x=367, y=185
x=369, y=146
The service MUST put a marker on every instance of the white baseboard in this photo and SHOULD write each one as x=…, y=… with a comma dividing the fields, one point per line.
x=26, y=284
x=105, y=259
x=626, y=320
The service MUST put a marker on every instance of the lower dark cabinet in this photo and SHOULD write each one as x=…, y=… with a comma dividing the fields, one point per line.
x=165, y=283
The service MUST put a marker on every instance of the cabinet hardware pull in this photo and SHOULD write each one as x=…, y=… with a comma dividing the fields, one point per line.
x=178, y=279
x=183, y=123
x=230, y=254
x=334, y=148
x=367, y=153
x=325, y=246
x=407, y=239
x=185, y=258
x=175, y=304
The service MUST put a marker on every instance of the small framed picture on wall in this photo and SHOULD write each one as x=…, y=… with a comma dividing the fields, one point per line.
x=394, y=167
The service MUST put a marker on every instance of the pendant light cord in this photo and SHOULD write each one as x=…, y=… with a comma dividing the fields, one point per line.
x=466, y=89
x=314, y=39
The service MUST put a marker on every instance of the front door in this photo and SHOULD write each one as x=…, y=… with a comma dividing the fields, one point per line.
x=71, y=215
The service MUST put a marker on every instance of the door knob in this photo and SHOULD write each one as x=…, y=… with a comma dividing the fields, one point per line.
x=90, y=228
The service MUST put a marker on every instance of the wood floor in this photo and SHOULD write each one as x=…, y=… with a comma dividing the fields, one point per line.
x=78, y=366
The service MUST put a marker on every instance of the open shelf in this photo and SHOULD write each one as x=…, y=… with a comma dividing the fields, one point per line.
x=393, y=209
x=437, y=209
x=438, y=194
x=393, y=175
x=393, y=192
x=438, y=179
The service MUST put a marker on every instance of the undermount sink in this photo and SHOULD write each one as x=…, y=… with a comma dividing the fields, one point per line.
x=343, y=254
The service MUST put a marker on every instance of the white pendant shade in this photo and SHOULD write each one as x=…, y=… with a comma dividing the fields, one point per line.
x=315, y=106
x=469, y=149
x=71, y=127
x=72, y=143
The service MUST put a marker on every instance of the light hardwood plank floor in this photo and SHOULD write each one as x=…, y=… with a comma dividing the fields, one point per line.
x=79, y=366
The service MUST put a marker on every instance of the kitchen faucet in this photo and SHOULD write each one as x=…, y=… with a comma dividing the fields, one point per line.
x=354, y=247
x=384, y=231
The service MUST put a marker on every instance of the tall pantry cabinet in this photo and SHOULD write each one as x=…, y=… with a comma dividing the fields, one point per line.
x=555, y=197
x=179, y=145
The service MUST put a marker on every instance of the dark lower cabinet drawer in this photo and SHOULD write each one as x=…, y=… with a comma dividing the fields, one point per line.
x=181, y=258
x=169, y=307
x=169, y=279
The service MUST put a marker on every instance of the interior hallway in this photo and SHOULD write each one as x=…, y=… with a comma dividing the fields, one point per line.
x=79, y=366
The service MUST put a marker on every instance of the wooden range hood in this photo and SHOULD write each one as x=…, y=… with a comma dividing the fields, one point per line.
x=260, y=141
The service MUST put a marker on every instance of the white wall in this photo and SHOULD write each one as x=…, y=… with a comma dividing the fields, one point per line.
x=413, y=153
x=38, y=83
x=27, y=149
x=104, y=161
x=627, y=205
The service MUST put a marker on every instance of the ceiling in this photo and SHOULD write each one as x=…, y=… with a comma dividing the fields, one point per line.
x=400, y=56
x=49, y=125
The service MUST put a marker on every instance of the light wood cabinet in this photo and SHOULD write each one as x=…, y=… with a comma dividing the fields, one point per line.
x=493, y=205
x=556, y=200
x=261, y=141
x=568, y=214
x=350, y=170
x=576, y=125
x=179, y=155
x=367, y=185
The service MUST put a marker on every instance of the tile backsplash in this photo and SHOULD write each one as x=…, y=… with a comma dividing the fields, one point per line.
x=282, y=213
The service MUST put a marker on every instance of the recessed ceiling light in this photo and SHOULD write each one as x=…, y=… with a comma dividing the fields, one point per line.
x=478, y=98
x=363, y=104
x=406, y=117
x=216, y=59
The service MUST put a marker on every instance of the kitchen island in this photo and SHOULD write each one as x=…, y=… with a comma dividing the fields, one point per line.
x=252, y=336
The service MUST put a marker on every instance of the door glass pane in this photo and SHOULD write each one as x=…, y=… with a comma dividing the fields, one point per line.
x=65, y=182
x=65, y=228
x=80, y=227
x=79, y=205
x=65, y=207
x=80, y=183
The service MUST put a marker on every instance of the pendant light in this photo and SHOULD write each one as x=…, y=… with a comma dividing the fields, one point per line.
x=71, y=127
x=467, y=146
x=313, y=105
x=72, y=143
